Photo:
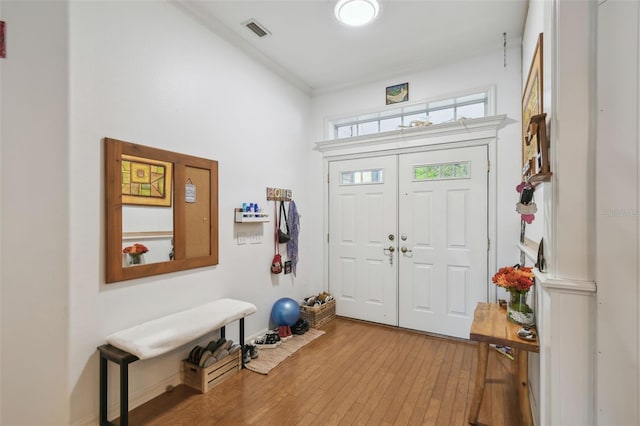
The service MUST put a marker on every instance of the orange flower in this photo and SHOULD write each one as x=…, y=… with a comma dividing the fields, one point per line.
x=518, y=278
x=137, y=248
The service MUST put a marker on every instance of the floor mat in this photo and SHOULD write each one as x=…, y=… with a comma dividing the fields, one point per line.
x=270, y=358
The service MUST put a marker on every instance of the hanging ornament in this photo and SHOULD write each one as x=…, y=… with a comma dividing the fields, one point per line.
x=526, y=206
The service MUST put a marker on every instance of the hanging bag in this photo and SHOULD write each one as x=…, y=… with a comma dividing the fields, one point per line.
x=283, y=237
x=276, y=263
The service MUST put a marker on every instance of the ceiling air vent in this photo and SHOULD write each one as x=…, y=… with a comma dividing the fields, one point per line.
x=256, y=28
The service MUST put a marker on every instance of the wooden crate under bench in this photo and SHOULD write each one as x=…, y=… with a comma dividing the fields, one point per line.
x=317, y=316
x=205, y=379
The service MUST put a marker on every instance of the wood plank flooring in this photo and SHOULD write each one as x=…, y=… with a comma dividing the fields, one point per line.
x=358, y=373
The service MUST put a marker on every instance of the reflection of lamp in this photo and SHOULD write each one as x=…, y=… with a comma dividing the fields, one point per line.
x=356, y=12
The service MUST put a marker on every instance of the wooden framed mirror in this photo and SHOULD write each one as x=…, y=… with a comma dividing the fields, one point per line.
x=166, y=199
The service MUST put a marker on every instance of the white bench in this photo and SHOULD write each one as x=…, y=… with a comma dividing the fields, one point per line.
x=159, y=336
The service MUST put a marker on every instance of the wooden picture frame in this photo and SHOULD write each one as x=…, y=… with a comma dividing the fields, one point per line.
x=146, y=181
x=535, y=158
x=397, y=93
x=195, y=224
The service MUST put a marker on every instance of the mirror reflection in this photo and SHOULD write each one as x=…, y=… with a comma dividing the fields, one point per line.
x=152, y=227
x=162, y=211
x=147, y=214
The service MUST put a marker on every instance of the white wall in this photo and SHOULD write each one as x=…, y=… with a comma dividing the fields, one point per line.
x=34, y=227
x=144, y=72
x=149, y=73
x=483, y=71
x=617, y=394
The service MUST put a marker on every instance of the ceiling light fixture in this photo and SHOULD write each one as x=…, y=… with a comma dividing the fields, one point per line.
x=356, y=12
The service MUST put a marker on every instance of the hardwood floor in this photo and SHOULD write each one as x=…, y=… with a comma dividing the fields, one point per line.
x=358, y=373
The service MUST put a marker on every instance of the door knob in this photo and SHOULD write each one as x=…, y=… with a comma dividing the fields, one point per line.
x=405, y=250
x=391, y=249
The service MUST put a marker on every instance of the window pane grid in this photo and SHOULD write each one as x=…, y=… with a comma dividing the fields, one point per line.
x=436, y=112
x=362, y=177
x=458, y=170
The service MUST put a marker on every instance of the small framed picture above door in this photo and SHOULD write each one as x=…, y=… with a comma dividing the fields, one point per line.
x=397, y=93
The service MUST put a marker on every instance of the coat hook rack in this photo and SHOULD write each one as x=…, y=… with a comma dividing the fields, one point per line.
x=279, y=194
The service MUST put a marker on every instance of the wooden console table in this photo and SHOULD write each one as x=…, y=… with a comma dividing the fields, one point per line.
x=490, y=325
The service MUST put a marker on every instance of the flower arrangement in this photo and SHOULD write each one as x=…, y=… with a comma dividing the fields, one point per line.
x=137, y=248
x=514, y=278
x=134, y=252
x=517, y=280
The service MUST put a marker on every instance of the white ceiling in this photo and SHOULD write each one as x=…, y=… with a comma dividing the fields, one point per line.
x=310, y=48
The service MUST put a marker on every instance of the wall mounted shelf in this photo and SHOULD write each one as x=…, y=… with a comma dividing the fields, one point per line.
x=250, y=217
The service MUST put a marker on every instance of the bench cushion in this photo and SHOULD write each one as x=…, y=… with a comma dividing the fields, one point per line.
x=162, y=335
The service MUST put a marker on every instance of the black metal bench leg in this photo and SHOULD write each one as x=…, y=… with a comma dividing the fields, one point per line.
x=242, y=340
x=123, y=359
x=103, y=391
x=223, y=332
x=124, y=394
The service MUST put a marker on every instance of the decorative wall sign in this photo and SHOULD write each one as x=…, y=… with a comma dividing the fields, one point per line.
x=397, y=93
x=146, y=182
x=279, y=194
x=189, y=192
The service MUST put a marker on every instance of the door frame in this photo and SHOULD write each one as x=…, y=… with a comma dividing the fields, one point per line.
x=460, y=134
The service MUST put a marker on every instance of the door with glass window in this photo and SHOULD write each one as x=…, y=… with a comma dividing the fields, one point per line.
x=443, y=245
x=408, y=238
x=362, y=217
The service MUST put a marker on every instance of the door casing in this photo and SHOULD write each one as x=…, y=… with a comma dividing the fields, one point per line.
x=476, y=132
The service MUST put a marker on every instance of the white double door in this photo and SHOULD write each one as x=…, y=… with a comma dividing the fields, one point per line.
x=408, y=241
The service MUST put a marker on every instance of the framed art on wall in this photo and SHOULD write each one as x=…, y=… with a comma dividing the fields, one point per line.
x=145, y=181
x=535, y=159
x=397, y=93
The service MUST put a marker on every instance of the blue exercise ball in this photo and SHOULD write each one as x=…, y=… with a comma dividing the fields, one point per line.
x=285, y=311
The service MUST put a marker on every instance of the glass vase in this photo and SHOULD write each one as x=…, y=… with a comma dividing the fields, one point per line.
x=518, y=309
x=136, y=259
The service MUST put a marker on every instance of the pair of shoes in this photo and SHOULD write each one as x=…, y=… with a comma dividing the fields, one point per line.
x=300, y=327
x=215, y=344
x=284, y=332
x=252, y=350
x=269, y=340
x=234, y=348
x=246, y=356
x=222, y=351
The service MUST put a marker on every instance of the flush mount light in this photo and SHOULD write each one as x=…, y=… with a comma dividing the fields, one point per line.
x=356, y=12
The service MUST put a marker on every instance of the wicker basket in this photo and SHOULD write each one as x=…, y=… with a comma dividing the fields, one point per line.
x=317, y=316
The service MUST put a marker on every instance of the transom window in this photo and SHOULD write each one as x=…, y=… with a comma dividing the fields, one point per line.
x=473, y=105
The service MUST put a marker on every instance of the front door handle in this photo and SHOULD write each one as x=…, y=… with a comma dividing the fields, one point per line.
x=391, y=249
x=405, y=250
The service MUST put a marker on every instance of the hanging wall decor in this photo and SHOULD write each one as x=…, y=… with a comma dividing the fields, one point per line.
x=279, y=194
x=146, y=181
x=397, y=93
x=535, y=144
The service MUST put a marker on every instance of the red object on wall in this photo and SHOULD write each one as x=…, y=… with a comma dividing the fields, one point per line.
x=3, y=46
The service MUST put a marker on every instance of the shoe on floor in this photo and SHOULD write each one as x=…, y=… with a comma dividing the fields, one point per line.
x=267, y=341
x=253, y=351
